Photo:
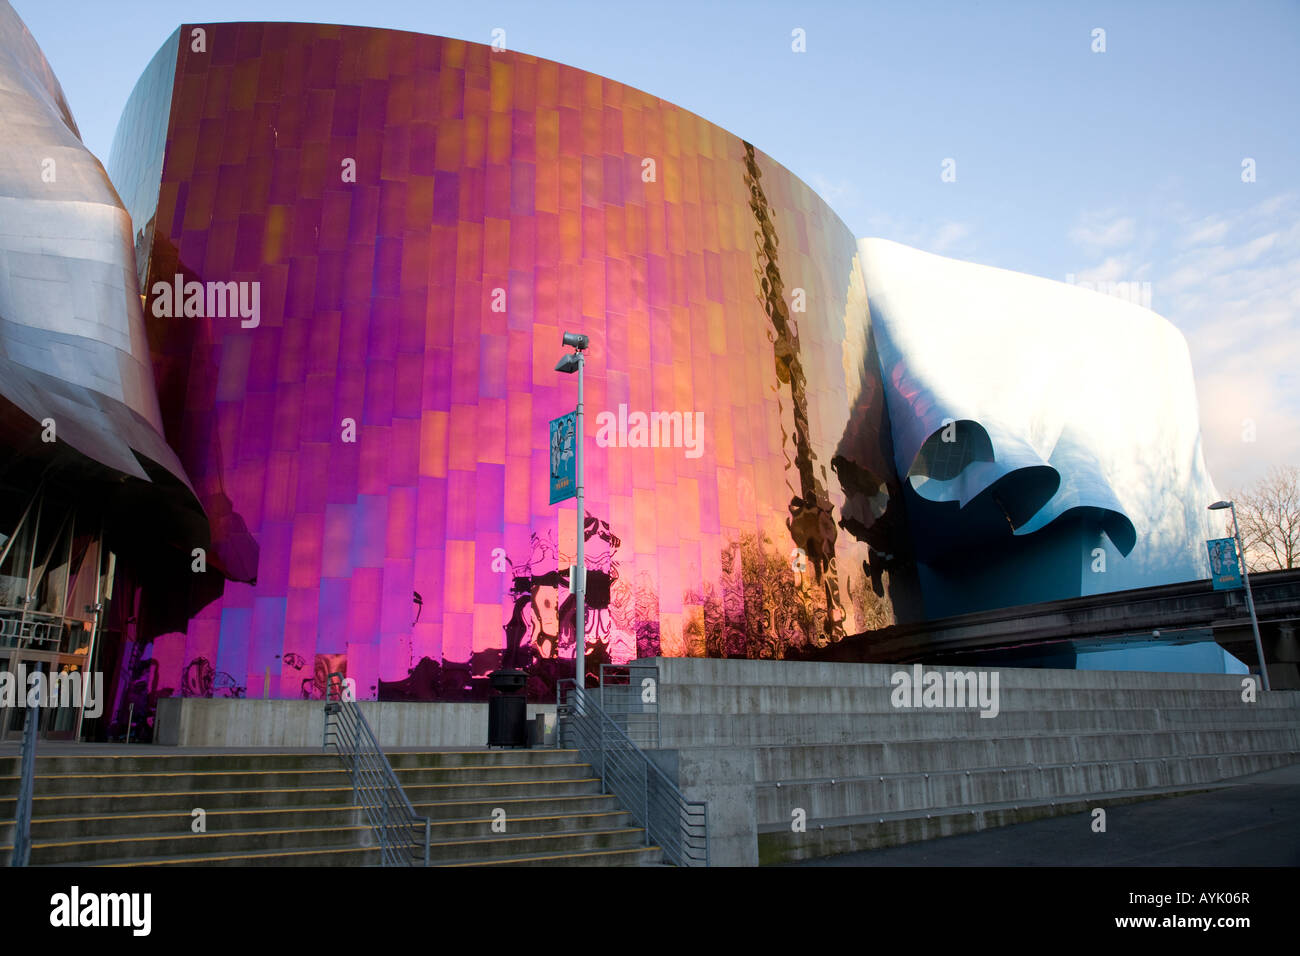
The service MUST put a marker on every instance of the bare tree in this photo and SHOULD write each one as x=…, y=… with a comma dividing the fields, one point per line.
x=1269, y=512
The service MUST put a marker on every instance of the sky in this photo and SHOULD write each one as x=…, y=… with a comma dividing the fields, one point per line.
x=1161, y=154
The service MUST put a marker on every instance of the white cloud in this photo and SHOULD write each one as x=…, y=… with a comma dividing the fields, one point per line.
x=949, y=234
x=1231, y=284
x=1104, y=230
x=1209, y=229
x=1114, y=269
x=1239, y=306
x=947, y=238
x=837, y=194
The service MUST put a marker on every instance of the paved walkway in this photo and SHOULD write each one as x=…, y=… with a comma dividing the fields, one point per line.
x=1256, y=822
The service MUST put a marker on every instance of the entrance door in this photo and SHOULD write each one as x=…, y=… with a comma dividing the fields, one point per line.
x=63, y=694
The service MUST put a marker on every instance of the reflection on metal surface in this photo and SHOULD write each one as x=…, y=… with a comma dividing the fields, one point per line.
x=915, y=437
x=478, y=182
x=812, y=520
x=1037, y=422
x=72, y=339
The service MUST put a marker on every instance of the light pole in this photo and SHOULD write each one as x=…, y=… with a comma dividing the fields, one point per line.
x=1245, y=575
x=574, y=362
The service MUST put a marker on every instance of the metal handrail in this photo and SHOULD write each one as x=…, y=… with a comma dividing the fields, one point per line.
x=680, y=827
x=629, y=693
x=402, y=833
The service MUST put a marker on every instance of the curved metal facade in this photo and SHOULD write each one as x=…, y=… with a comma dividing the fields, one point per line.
x=1048, y=434
x=73, y=349
x=358, y=249
x=422, y=217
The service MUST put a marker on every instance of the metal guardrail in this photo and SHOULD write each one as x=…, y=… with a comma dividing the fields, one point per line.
x=629, y=693
x=680, y=827
x=403, y=835
x=22, y=850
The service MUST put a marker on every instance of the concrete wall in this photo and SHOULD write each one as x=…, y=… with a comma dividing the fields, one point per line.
x=766, y=741
x=230, y=722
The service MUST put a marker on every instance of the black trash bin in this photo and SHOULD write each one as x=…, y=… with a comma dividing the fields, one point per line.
x=508, y=710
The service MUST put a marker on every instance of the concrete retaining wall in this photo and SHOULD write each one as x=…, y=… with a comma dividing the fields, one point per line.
x=229, y=722
x=770, y=742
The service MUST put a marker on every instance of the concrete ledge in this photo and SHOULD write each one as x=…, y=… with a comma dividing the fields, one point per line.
x=231, y=722
x=785, y=846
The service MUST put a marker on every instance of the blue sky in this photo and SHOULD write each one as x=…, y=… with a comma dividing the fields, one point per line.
x=1121, y=166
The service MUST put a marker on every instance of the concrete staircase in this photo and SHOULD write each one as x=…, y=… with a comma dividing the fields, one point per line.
x=134, y=807
x=768, y=739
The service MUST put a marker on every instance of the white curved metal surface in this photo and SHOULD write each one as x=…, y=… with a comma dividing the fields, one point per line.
x=1087, y=402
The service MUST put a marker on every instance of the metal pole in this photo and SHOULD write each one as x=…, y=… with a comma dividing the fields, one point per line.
x=356, y=758
x=581, y=570
x=23, y=826
x=88, y=667
x=1250, y=600
x=31, y=564
x=645, y=792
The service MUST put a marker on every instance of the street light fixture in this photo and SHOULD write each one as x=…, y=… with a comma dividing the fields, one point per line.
x=570, y=363
x=1245, y=575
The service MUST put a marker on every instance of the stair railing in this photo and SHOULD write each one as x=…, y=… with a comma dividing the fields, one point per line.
x=678, y=826
x=403, y=835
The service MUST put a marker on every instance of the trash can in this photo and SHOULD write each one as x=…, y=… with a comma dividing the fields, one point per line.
x=508, y=710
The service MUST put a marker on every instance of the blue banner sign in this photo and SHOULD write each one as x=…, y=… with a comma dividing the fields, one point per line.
x=1225, y=571
x=564, y=482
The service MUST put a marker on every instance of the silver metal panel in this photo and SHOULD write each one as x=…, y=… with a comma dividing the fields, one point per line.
x=1084, y=400
x=72, y=335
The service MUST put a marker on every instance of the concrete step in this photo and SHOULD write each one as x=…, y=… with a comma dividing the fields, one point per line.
x=86, y=804
x=297, y=809
x=537, y=816
x=627, y=856
x=361, y=856
x=319, y=856
x=523, y=806
x=444, y=831
x=450, y=840
x=92, y=850
x=831, y=836
x=108, y=801
x=904, y=756
x=124, y=824
x=749, y=699
x=946, y=789
x=678, y=730
x=69, y=783
x=185, y=780
x=493, y=846
x=503, y=790
x=717, y=672
x=147, y=759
